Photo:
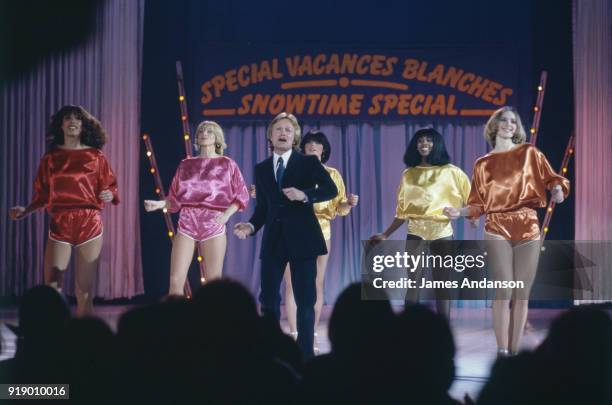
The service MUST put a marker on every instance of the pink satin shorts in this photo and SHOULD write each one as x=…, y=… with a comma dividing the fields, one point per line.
x=199, y=223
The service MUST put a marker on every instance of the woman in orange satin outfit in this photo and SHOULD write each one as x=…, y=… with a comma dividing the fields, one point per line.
x=507, y=185
x=74, y=182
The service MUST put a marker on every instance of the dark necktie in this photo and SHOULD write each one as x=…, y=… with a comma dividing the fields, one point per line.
x=280, y=172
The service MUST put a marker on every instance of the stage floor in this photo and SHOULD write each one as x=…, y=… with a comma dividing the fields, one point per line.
x=474, y=339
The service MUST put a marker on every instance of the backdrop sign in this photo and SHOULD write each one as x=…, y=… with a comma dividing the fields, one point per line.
x=249, y=84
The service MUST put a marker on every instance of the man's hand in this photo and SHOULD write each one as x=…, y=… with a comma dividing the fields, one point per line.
x=243, y=229
x=294, y=194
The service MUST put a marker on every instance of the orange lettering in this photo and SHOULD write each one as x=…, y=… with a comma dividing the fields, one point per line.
x=463, y=85
x=450, y=109
x=503, y=96
x=316, y=65
x=218, y=83
x=333, y=66
x=377, y=64
x=243, y=79
x=276, y=104
x=416, y=106
x=390, y=103
x=436, y=74
x=292, y=65
x=349, y=61
x=410, y=69
x=375, y=107
x=206, y=94
x=296, y=103
x=362, y=69
x=260, y=103
x=337, y=104
x=389, y=68
x=230, y=77
x=276, y=74
x=452, y=76
x=491, y=91
x=355, y=104
x=244, y=109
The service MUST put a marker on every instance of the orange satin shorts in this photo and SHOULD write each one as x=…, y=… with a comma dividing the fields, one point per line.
x=517, y=226
x=75, y=226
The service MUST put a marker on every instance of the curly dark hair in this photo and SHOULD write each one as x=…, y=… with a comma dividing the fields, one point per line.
x=438, y=156
x=316, y=136
x=92, y=133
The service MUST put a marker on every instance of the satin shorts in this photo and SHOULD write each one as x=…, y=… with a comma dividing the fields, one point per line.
x=199, y=223
x=516, y=226
x=75, y=226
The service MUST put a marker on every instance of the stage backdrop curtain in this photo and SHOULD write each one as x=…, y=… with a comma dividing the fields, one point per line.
x=103, y=76
x=369, y=157
x=592, y=37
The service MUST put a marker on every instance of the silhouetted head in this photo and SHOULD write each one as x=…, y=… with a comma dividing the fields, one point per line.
x=226, y=313
x=42, y=311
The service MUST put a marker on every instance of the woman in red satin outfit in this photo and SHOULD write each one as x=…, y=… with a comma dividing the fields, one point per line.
x=74, y=181
x=207, y=189
x=507, y=184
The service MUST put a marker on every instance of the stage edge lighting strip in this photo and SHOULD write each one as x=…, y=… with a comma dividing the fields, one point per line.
x=569, y=151
x=537, y=109
x=159, y=190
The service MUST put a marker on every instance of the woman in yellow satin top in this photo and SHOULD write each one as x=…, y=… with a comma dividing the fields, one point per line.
x=328, y=210
x=423, y=194
x=315, y=143
x=428, y=185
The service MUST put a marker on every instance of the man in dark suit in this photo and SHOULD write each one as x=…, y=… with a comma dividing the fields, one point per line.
x=287, y=185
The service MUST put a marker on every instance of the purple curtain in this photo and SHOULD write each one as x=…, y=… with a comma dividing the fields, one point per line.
x=592, y=38
x=103, y=76
x=369, y=157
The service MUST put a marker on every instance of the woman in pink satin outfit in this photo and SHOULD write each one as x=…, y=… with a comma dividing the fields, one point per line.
x=207, y=189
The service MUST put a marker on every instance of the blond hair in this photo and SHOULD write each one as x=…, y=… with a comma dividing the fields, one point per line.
x=294, y=122
x=490, y=129
x=220, y=144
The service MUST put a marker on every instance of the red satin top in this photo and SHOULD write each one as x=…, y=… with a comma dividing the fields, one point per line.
x=73, y=178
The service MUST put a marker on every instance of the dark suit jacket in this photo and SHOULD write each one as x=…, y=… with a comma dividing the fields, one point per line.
x=293, y=222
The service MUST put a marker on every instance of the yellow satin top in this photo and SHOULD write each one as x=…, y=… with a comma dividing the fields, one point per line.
x=327, y=210
x=424, y=192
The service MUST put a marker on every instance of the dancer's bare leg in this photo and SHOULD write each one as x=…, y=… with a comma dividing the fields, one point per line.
x=320, y=283
x=214, y=255
x=182, y=254
x=526, y=256
x=290, y=305
x=87, y=256
x=57, y=258
x=500, y=259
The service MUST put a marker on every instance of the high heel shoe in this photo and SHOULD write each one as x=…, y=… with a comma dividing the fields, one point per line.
x=501, y=353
